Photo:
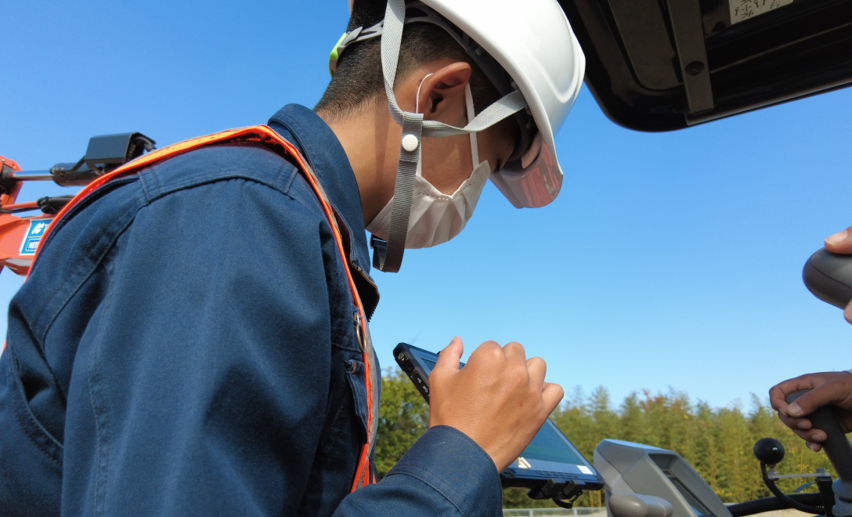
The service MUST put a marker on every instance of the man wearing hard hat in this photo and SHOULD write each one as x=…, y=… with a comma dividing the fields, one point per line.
x=235, y=375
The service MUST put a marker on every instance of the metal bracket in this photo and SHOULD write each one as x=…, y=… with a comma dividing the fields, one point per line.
x=688, y=30
x=775, y=476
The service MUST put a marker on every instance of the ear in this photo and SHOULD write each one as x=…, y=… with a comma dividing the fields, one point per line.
x=442, y=93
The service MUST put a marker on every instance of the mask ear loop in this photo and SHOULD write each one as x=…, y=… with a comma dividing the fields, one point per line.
x=417, y=110
x=417, y=99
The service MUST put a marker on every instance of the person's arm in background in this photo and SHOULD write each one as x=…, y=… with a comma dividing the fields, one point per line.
x=826, y=387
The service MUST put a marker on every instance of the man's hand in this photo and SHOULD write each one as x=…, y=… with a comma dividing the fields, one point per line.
x=842, y=243
x=499, y=399
x=826, y=388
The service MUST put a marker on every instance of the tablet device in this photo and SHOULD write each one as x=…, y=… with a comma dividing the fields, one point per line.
x=549, y=460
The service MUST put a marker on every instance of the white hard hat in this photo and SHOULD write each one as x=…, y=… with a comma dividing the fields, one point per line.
x=533, y=43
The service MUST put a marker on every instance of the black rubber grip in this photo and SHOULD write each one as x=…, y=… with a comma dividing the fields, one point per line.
x=829, y=277
x=836, y=446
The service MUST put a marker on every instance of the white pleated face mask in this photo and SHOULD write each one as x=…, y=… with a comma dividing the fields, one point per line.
x=437, y=217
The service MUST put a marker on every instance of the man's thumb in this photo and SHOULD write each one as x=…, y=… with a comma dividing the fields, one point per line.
x=450, y=357
x=828, y=393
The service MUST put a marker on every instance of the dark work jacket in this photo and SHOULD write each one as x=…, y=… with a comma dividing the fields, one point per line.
x=185, y=346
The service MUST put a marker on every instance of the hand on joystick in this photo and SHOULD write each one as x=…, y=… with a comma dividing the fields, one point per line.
x=826, y=388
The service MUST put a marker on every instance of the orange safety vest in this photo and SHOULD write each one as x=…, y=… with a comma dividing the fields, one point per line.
x=273, y=141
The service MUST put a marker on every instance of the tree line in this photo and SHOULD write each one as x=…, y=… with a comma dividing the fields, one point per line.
x=718, y=442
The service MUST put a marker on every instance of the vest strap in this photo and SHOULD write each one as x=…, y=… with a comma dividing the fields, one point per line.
x=269, y=138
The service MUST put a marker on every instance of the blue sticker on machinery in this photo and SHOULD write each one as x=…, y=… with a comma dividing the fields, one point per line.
x=33, y=236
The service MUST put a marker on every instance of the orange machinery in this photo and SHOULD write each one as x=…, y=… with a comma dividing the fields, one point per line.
x=23, y=224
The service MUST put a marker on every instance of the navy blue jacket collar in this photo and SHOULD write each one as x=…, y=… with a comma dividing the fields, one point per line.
x=320, y=147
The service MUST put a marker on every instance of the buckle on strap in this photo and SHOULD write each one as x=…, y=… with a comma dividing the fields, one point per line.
x=380, y=251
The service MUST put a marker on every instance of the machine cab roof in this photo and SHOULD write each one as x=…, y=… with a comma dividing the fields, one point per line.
x=660, y=65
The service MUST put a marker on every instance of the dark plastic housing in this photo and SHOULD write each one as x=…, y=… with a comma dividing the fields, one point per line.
x=109, y=151
x=829, y=277
x=660, y=65
x=104, y=154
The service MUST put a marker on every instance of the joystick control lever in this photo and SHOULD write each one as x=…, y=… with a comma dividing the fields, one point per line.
x=839, y=453
x=829, y=277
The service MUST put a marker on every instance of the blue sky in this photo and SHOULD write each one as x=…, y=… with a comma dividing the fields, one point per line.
x=668, y=260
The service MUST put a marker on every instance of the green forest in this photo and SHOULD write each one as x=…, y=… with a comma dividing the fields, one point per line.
x=718, y=442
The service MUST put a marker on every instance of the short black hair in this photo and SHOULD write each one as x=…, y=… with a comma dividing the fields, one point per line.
x=358, y=81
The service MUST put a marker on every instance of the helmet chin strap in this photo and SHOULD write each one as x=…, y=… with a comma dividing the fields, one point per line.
x=388, y=254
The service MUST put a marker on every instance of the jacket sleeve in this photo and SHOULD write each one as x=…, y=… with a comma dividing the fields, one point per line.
x=444, y=473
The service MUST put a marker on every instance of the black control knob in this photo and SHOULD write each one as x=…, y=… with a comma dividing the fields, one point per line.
x=769, y=451
x=829, y=277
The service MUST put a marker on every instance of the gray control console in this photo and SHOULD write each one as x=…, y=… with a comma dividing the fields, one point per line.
x=657, y=478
